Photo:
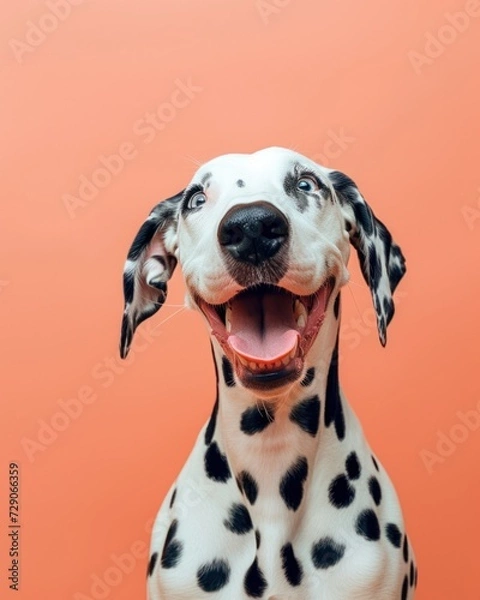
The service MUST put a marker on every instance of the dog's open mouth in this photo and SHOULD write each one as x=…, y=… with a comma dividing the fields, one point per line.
x=266, y=331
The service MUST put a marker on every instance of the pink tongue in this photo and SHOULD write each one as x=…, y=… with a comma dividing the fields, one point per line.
x=263, y=326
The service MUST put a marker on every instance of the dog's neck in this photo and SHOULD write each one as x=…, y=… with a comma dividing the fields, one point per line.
x=265, y=437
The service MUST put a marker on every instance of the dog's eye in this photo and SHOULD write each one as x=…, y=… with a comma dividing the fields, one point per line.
x=307, y=184
x=196, y=200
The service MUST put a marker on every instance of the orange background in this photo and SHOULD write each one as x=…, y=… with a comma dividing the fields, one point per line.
x=271, y=72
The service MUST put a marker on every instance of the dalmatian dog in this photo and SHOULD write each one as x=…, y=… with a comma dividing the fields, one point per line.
x=281, y=497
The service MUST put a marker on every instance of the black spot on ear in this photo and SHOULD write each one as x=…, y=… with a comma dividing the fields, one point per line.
x=172, y=550
x=291, y=485
x=128, y=286
x=309, y=377
x=375, y=464
x=291, y=566
x=249, y=486
x=327, y=553
x=210, y=430
x=216, y=464
x=394, y=535
x=367, y=525
x=336, y=306
x=151, y=564
x=374, y=268
x=375, y=490
x=405, y=588
x=172, y=499
x=306, y=414
x=405, y=549
x=239, y=520
x=257, y=418
x=213, y=576
x=333, y=405
x=240, y=183
x=254, y=583
x=227, y=372
x=340, y=493
x=352, y=465
x=257, y=538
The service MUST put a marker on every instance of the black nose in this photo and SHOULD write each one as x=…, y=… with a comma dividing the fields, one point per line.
x=253, y=232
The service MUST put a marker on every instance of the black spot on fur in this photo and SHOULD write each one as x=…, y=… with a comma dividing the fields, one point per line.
x=210, y=430
x=333, y=404
x=239, y=520
x=254, y=583
x=352, y=465
x=340, y=492
x=405, y=549
x=375, y=464
x=309, y=377
x=367, y=525
x=291, y=485
x=172, y=499
x=256, y=419
x=307, y=415
x=290, y=565
x=412, y=574
x=213, y=576
x=151, y=564
x=394, y=535
x=240, y=183
x=227, y=372
x=258, y=538
x=172, y=550
x=216, y=464
x=336, y=306
x=327, y=553
x=375, y=490
x=249, y=486
x=340, y=421
x=405, y=588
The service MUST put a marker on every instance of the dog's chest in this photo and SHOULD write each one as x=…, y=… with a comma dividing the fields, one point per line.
x=279, y=528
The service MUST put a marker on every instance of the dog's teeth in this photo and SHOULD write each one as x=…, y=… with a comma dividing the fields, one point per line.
x=300, y=313
x=243, y=361
x=228, y=324
x=301, y=321
x=292, y=353
x=253, y=366
x=286, y=360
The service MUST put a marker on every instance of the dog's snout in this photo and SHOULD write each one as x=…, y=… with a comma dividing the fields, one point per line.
x=253, y=233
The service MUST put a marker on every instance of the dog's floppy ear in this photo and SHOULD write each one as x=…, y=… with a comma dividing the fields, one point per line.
x=150, y=263
x=381, y=260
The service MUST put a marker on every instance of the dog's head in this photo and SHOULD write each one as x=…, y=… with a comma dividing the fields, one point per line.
x=263, y=242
